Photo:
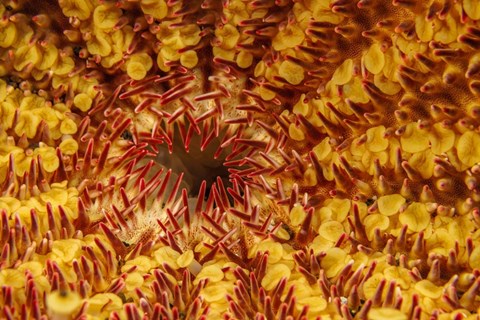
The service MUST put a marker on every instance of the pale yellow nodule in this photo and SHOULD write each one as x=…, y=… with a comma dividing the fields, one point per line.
x=62, y=305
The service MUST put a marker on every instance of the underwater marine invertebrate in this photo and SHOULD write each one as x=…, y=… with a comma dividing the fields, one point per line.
x=245, y=159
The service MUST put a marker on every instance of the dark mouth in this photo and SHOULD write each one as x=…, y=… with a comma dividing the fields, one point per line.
x=196, y=165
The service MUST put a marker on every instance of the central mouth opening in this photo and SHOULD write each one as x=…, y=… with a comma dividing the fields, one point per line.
x=197, y=165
